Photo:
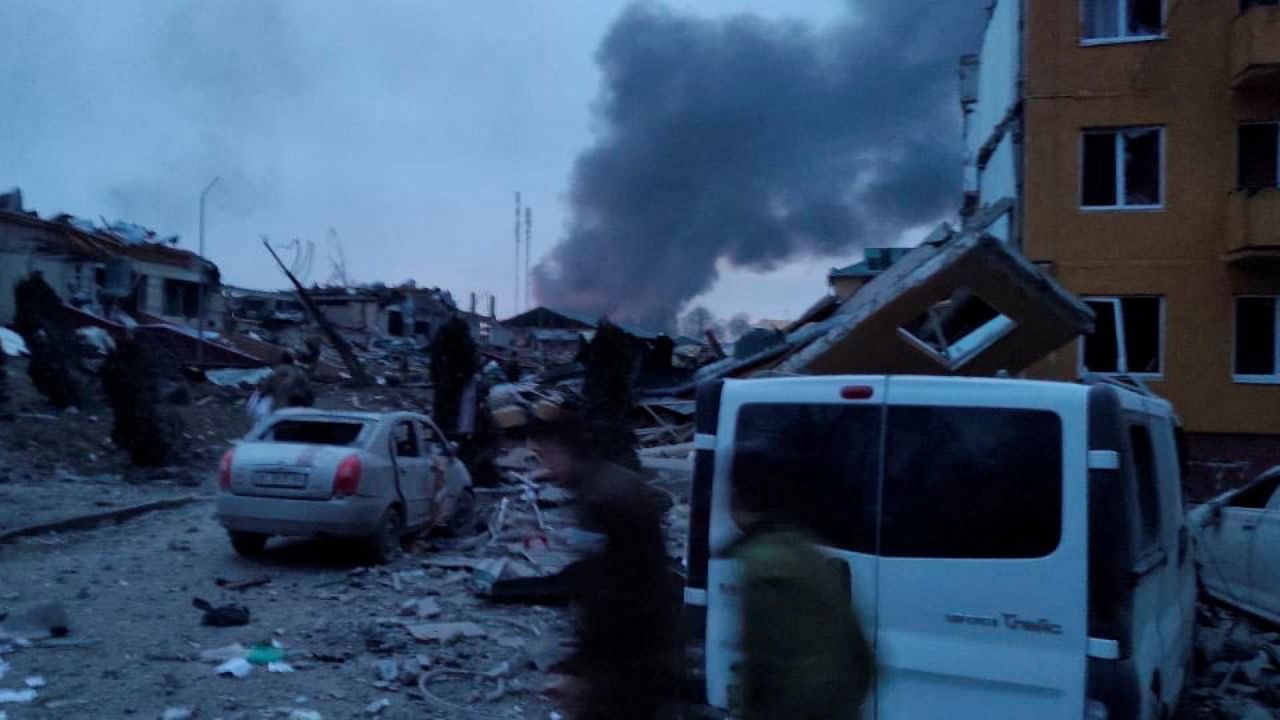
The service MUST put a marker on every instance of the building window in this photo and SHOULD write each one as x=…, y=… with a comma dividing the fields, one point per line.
x=1258, y=156
x=1122, y=168
x=1123, y=20
x=181, y=299
x=1126, y=336
x=1257, y=352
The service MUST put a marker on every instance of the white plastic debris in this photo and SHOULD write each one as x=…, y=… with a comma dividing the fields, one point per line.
x=238, y=667
x=35, y=681
x=12, y=343
x=279, y=667
x=237, y=377
x=178, y=713
x=223, y=654
x=297, y=715
x=17, y=696
x=377, y=706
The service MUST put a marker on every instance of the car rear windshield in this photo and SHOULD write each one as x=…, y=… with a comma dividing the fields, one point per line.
x=315, y=432
x=958, y=482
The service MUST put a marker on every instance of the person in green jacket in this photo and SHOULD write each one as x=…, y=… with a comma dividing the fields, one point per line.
x=806, y=656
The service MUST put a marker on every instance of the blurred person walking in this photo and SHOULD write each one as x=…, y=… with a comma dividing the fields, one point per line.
x=626, y=596
x=806, y=656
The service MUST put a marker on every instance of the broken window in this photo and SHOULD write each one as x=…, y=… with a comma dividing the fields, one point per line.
x=406, y=441
x=1258, y=156
x=1257, y=352
x=1123, y=19
x=956, y=329
x=1126, y=336
x=313, y=432
x=181, y=298
x=1257, y=495
x=1122, y=168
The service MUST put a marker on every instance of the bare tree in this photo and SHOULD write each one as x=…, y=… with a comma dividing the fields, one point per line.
x=739, y=325
x=697, y=321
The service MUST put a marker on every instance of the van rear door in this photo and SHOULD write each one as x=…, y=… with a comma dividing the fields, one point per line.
x=827, y=433
x=982, y=571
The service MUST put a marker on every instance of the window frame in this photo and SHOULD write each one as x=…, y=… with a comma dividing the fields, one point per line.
x=1123, y=20
x=1121, y=344
x=1247, y=379
x=1275, y=125
x=1121, y=185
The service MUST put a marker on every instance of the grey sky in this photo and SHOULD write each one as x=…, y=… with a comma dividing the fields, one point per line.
x=405, y=126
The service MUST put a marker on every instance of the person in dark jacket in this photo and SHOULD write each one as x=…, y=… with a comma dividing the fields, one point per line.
x=806, y=656
x=624, y=591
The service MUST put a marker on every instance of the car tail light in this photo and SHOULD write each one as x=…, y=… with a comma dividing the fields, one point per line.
x=347, y=478
x=224, y=469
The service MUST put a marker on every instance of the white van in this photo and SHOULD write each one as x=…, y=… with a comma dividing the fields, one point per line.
x=1015, y=549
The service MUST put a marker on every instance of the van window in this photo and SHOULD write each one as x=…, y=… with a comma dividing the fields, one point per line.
x=1144, y=471
x=972, y=483
x=826, y=459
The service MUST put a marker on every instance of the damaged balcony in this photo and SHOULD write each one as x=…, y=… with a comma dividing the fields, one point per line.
x=1255, y=47
x=1253, y=225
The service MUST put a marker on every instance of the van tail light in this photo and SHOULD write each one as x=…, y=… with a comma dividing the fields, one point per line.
x=224, y=470
x=346, y=480
x=857, y=392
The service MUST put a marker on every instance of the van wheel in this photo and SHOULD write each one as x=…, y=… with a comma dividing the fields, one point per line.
x=384, y=544
x=248, y=544
x=463, y=519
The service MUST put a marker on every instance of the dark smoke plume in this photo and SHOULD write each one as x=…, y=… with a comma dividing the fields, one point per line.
x=757, y=142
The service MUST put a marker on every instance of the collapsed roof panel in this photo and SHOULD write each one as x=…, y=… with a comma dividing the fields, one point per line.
x=968, y=306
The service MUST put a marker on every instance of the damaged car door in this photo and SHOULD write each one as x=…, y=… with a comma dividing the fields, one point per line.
x=1236, y=534
x=413, y=473
x=1227, y=539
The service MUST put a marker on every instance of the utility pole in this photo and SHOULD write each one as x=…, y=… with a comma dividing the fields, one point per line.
x=528, y=252
x=204, y=194
x=515, y=294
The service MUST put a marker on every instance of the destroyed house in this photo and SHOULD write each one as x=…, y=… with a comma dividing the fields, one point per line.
x=848, y=280
x=105, y=270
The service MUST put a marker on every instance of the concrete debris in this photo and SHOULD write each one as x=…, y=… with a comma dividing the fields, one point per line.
x=445, y=632
x=237, y=667
x=12, y=344
x=25, y=695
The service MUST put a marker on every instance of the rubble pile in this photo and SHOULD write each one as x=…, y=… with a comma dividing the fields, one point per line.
x=1237, y=664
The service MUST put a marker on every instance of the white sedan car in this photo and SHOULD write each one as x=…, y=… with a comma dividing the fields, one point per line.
x=1236, y=536
x=372, y=476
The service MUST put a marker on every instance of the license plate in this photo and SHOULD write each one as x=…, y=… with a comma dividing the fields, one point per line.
x=276, y=478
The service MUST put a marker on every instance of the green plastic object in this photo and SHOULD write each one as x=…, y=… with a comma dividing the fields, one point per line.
x=264, y=655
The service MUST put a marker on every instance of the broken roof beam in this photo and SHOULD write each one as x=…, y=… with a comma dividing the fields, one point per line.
x=1003, y=315
x=358, y=375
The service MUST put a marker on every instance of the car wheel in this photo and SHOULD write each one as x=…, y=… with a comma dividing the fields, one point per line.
x=463, y=519
x=384, y=545
x=248, y=544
